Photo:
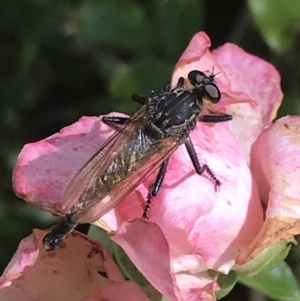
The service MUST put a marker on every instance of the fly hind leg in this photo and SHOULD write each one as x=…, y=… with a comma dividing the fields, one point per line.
x=154, y=188
x=201, y=169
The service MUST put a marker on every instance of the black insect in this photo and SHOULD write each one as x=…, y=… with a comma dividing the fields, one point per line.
x=140, y=145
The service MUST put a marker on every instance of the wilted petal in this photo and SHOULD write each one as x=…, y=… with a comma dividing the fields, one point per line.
x=72, y=272
x=275, y=163
x=260, y=81
x=119, y=292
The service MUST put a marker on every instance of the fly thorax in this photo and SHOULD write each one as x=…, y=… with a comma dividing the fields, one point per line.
x=176, y=113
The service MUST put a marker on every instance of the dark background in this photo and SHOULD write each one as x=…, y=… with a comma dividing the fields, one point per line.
x=60, y=60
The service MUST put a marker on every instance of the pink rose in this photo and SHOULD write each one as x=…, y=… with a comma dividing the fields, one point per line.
x=192, y=228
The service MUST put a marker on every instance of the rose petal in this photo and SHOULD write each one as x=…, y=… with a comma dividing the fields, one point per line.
x=188, y=201
x=197, y=56
x=260, y=81
x=235, y=209
x=146, y=246
x=119, y=292
x=45, y=168
x=26, y=255
x=275, y=163
x=206, y=293
x=73, y=271
x=156, y=264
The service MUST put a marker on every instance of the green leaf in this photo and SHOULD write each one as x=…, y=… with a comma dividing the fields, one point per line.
x=279, y=284
x=226, y=283
x=102, y=236
x=268, y=259
x=113, y=23
x=177, y=22
x=278, y=21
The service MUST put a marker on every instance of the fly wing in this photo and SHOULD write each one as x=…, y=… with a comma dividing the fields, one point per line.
x=96, y=165
x=123, y=189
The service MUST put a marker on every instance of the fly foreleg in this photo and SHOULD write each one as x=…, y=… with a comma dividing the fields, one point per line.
x=201, y=169
x=215, y=118
x=154, y=188
x=114, y=122
x=180, y=82
x=139, y=99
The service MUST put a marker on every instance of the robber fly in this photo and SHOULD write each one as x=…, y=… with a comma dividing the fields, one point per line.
x=140, y=145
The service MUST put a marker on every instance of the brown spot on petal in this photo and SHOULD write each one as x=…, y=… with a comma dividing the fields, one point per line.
x=294, y=134
x=103, y=274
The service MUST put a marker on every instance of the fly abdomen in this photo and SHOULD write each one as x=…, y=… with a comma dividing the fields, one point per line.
x=53, y=239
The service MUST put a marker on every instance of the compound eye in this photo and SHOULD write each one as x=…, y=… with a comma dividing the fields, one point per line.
x=212, y=92
x=196, y=77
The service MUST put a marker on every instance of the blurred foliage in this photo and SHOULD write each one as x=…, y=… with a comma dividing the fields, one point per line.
x=64, y=59
x=278, y=24
x=226, y=284
x=280, y=283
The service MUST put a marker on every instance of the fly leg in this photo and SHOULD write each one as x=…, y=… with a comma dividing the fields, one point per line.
x=201, y=169
x=142, y=99
x=180, y=82
x=139, y=99
x=53, y=239
x=215, y=118
x=154, y=188
x=114, y=122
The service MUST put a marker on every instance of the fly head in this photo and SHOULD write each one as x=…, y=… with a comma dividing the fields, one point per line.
x=205, y=86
